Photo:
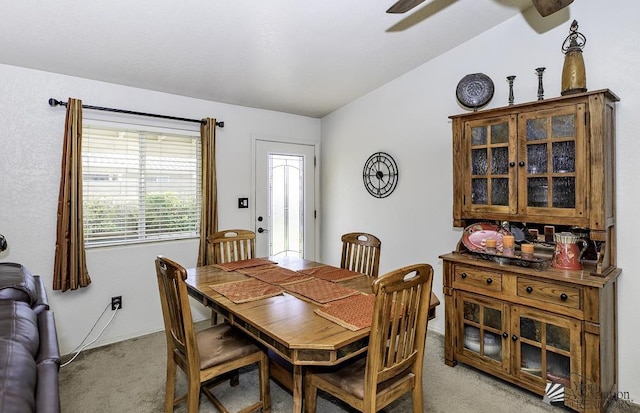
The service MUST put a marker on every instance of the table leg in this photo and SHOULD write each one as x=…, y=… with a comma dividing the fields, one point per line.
x=297, y=388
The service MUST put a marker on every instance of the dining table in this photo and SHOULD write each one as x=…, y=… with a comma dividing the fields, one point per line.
x=287, y=322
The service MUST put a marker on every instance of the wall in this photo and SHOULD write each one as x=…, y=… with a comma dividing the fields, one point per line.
x=408, y=118
x=30, y=152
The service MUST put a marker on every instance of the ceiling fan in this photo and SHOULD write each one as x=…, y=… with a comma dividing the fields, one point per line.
x=544, y=7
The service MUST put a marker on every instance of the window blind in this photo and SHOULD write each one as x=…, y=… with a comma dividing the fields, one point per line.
x=139, y=185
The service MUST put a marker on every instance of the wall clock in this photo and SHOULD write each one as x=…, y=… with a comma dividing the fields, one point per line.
x=380, y=175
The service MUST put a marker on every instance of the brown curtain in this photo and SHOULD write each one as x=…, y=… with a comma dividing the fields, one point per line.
x=70, y=267
x=209, y=215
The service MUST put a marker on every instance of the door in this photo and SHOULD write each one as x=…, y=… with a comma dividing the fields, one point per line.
x=491, y=185
x=552, y=151
x=284, y=210
x=547, y=348
x=483, y=330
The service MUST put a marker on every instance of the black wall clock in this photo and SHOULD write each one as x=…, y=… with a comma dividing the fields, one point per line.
x=380, y=175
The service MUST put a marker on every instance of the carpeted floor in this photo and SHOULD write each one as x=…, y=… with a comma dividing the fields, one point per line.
x=129, y=376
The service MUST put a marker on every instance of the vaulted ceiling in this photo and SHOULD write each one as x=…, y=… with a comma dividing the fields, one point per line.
x=307, y=57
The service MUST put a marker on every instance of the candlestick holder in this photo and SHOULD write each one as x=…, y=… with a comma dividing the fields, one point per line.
x=510, y=80
x=540, y=70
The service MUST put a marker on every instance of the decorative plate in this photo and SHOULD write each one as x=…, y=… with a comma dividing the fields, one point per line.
x=475, y=236
x=474, y=90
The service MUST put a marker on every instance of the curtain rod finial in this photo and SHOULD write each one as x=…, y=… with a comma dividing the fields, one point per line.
x=220, y=124
x=53, y=102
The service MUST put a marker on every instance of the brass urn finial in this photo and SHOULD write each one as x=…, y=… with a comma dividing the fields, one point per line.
x=574, y=78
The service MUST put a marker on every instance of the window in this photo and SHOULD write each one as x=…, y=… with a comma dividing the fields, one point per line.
x=140, y=185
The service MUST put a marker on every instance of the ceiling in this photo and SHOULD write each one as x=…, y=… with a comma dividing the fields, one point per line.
x=307, y=57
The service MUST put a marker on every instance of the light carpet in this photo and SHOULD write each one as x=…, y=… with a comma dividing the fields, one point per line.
x=129, y=376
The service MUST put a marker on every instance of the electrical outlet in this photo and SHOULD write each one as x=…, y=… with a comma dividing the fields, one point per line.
x=116, y=301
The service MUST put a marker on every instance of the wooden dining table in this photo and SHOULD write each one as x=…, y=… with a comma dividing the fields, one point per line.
x=286, y=324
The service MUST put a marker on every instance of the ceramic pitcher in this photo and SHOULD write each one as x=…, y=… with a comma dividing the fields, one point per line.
x=568, y=252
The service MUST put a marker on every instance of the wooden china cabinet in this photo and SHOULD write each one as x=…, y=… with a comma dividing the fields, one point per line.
x=549, y=162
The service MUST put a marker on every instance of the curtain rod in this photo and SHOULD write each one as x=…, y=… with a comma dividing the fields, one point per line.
x=53, y=102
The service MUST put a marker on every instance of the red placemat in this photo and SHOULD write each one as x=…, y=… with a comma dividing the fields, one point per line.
x=251, y=271
x=320, y=291
x=330, y=273
x=354, y=313
x=236, y=265
x=247, y=290
x=274, y=274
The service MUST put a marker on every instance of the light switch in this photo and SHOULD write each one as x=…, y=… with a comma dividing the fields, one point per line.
x=243, y=202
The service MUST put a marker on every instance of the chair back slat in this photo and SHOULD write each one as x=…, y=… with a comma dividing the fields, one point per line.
x=361, y=253
x=399, y=325
x=231, y=245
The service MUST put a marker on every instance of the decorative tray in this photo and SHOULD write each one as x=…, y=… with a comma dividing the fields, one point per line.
x=535, y=262
x=475, y=235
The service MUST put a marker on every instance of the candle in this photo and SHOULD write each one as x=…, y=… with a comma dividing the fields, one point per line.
x=508, y=242
x=490, y=245
x=526, y=251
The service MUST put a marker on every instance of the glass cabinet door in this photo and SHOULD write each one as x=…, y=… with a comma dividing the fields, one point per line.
x=491, y=154
x=483, y=330
x=547, y=349
x=551, y=162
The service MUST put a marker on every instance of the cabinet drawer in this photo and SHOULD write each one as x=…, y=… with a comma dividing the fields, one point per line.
x=549, y=292
x=473, y=279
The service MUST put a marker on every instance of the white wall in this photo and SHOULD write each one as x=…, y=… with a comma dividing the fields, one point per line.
x=30, y=153
x=408, y=118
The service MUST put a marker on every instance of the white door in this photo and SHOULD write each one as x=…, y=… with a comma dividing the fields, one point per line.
x=284, y=210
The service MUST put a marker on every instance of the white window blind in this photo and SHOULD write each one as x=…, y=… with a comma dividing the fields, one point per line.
x=139, y=185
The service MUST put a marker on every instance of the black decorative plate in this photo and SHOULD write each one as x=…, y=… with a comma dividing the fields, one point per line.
x=474, y=90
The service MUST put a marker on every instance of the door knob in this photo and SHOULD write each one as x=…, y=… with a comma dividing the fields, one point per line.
x=261, y=230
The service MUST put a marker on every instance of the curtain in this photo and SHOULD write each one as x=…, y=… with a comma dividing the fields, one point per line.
x=70, y=267
x=209, y=215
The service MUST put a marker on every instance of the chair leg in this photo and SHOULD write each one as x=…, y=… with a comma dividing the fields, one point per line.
x=235, y=378
x=310, y=395
x=171, y=385
x=416, y=395
x=193, y=394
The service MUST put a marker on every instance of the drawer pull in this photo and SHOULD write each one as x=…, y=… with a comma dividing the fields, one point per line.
x=463, y=275
x=529, y=289
x=564, y=297
x=489, y=280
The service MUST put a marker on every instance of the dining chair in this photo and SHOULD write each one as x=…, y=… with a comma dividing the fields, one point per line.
x=204, y=356
x=393, y=365
x=230, y=245
x=361, y=253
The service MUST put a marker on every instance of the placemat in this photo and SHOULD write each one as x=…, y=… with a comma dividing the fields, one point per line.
x=236, y=265
x=354, y=313
x=274, y=274
x=251, y=271
x=320, y=291
x=330, y=273
x=247, y=290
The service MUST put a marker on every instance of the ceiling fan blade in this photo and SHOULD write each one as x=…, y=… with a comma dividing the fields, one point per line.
x=547, y=7
x=402, y=6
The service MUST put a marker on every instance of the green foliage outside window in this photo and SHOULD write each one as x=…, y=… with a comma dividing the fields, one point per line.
x=107, y=220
